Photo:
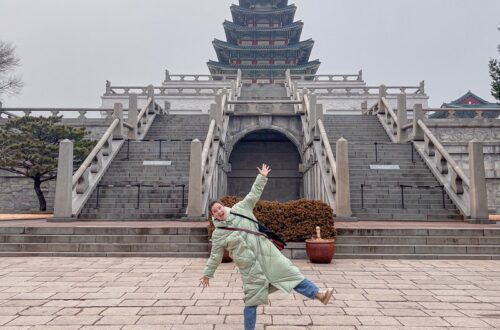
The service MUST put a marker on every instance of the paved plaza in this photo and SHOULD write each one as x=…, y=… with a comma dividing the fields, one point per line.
x=163, y=293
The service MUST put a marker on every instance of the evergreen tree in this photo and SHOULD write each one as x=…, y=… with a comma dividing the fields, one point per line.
x=29, y=146
x=495, y=76
x=9, y=83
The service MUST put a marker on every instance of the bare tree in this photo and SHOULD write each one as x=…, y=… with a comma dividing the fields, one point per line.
x=9, y=82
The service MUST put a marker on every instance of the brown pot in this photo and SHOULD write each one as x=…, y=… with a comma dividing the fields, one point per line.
x=320, y=251
x=226, y=258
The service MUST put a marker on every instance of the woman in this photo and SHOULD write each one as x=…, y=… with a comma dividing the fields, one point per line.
x=262, y=266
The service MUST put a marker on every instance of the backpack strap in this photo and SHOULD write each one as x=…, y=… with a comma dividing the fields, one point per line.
x=244, y=216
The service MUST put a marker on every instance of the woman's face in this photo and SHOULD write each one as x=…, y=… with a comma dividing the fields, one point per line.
x=218, y=212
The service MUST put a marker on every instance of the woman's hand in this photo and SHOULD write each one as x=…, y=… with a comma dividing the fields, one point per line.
x=264, y=171
x=205, y=281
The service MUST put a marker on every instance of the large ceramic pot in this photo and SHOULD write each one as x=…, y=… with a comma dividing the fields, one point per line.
x=226, y=258
x=320, y=251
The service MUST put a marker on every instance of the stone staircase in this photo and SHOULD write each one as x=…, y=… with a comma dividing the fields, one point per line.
x=132, y=189
x=75, y=241
x=402, y=189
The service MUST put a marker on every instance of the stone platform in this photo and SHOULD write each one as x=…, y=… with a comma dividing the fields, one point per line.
x=163, y=293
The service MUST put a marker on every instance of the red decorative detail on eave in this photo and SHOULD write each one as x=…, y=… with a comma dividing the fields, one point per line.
x=470, y=100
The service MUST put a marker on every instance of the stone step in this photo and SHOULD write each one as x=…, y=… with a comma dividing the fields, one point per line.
x=104, y=239
x=105, y=247
x=418, y=256
x=102, y=230
x=151, y=254
x=418, y=240
x=418, y=249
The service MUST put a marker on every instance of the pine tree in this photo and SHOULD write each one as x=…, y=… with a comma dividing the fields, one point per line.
x=29, y=146
x=495, y=76
x=9, y=83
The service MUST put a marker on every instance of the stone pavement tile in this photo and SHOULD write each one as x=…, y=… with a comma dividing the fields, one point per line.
x=7, y=295
x=361, y=311
x=285, y=303
x=112, y=311
x=103, y=295
x=349, y=296
x=160, y=310
x=456, y=299
x=438, y=305
x=230, y=295
x=335, y=320
x=23, y=303
x=362, y=304
x=213, y=302
x=4, y=319
x=481, y=306
x=465, y=322
x=67, y=295
x=161, y=319
x=238, y=319
x=184, y=295
x=75, y=320
x=201, y=310
x=231, y=327
x=494, y=322
x=487, y=299
x=139, y=295
x=31, y=320
x=165, y=302
x=100, y=303
x=383, y=297
x=117, y=320
x=443, y=312
x=402, y=312
x=378, y=320
x=205, y=319
x=385, y=327
x=68, y=311
x=422, y=321
x=282, y=310
x=40, y=311
x=100, y=327
x=292, y=320
x=327, y=327
x=62, y=303
x=56, y=327
x=284, y=327
x=8, y=311
x=190, y=327
x=91, y=310
x=148, y=327
x=323, y=310
x=421, y=298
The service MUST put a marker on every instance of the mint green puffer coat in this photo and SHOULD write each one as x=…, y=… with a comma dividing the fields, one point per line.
x=262, y=266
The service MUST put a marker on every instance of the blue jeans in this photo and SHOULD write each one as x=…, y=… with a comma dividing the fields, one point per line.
x=305, y=288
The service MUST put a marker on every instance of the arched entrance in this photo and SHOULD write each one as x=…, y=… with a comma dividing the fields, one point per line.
x=275, y=149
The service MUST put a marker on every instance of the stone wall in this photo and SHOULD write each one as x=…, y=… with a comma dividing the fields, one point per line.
x=454, y=134
x=18, y=196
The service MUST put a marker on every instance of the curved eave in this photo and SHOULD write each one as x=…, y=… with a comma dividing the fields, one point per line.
x=289, y=11
x=250, y=3
x=302, y=50
x=314, y=65
x=292, y=31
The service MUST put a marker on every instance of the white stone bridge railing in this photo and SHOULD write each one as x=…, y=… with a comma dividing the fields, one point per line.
x=74, y=189
x=198, y=77
x=326, y=89
x=66, y=113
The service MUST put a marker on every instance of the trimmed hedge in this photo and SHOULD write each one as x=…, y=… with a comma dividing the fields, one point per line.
x=295, y=221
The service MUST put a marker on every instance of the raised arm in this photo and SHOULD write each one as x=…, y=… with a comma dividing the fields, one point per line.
x=258, y=187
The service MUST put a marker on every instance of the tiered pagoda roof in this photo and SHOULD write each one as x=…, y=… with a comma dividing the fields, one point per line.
x=263, y=40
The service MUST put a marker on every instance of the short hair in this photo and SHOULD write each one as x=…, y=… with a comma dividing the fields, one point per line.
x=212, y=203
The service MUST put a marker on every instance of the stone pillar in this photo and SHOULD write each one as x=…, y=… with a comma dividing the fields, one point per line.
x=402, y=135
x=418, y=114
x=118, y=114
x=313, y=101
x=364, y=107
x=132, y=116
x=167, y=75
x=151, y=94
x=195, y=181
x=319, y=116
x=343, y=195
x=382, y=92
x=63, y=208
x=478, y=192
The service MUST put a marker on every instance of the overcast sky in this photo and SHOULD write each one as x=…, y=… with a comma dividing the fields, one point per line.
x=69, y=48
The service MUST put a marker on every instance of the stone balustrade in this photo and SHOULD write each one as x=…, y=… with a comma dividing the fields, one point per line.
x=66, y=113
x=329, y=77
x=326, y=90
x=199, y=77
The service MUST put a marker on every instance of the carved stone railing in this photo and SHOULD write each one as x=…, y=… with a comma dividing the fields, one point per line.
x=178, y=89
x=263, y=107
x=326, y=89
x=66, y=113
x=198, y=77
x=395, y=122
x=445, y=169
x=329, y=77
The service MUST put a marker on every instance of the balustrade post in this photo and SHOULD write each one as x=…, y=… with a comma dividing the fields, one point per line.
x=418, y=114
x=118, y=114
x=132, y=116
x=402, y=135
x=63, y=208
x=319, y=116
x=478, y=192
x=422, y=87
x=195, y=194
x=167, y=75
x=343, y=195
x=364, y=107
x=151, y=95
x=382, y=93
x=313, y=101
x=360, y=75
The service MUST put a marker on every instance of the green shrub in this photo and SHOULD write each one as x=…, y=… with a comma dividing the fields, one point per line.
x=295, y=221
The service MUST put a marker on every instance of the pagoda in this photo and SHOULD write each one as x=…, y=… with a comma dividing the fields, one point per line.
x=263, y=40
